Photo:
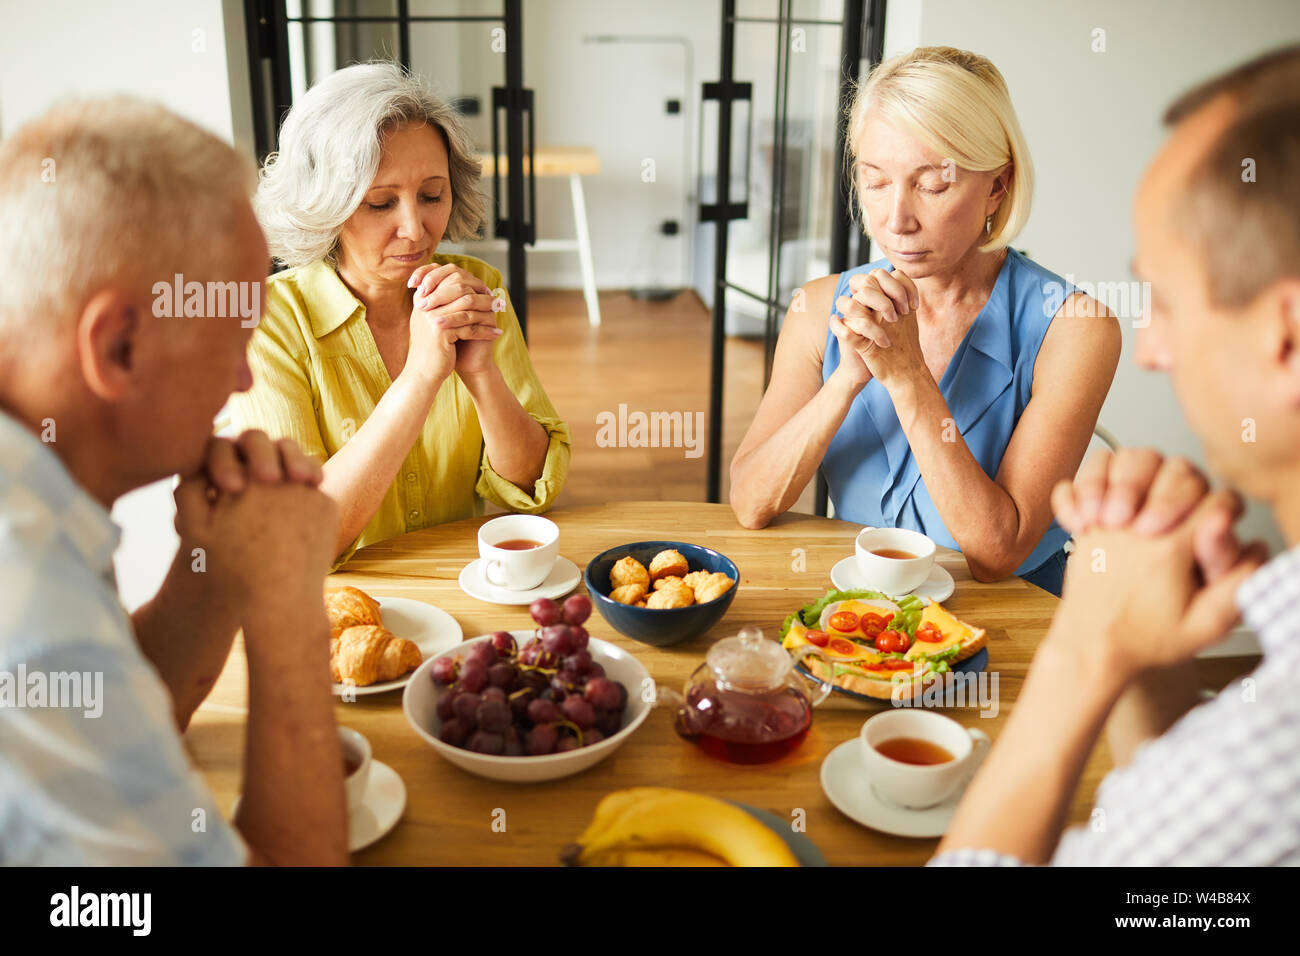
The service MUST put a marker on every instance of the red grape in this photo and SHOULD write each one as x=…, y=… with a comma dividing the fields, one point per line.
x=454, y=732
x=577, y=608
x=557, y=639
x=514, y=742
x=503, y=675
x=579, y=662
x=482, y=651
x=602, y=692
x=545, y=612
x=473, y=676
x=484, y=742
x=465, y=706
x=579, y=711
x=566, y=744
x=541, y=739
x=494, y=693
x=591, y=736
x=580, y=637
x=444, y=670
x=543, y=711
x=505, y=645
x=493, y=716
x=444, y=706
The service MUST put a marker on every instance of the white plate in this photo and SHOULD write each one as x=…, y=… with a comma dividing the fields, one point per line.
x=848, y=786
x=380, y=808
x=564, y=577
x=938, y=585
x=430, y=628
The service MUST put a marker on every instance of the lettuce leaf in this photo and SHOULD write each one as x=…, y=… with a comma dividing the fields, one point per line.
x=906, y=620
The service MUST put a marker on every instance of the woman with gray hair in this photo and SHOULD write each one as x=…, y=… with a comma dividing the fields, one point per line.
x=403, y=369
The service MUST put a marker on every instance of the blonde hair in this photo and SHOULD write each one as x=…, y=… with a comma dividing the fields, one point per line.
x=958, y=105
x=331, y=144
x=109, y=190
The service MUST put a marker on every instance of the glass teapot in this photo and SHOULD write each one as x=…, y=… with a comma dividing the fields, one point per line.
x=746, y=703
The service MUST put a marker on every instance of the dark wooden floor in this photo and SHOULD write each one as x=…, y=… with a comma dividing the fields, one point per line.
x=651, y=357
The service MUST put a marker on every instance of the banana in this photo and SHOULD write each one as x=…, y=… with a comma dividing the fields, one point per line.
x=666, y=856
x=631, y=822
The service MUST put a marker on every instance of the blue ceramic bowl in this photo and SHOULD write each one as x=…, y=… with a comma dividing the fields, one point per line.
x=670, y=625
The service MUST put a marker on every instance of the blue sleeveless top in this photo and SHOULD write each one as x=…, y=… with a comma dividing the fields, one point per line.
x=869, y=468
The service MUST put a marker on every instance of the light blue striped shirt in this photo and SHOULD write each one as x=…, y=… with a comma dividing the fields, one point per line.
x=92, y=769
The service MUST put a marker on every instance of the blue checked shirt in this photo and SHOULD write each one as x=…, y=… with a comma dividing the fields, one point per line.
x=79, y=787
x=1221, y=787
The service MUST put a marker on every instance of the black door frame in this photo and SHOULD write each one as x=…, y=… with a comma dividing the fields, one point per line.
x=267, y=33
x=863, y=29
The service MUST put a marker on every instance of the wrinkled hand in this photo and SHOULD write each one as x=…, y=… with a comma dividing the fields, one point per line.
x=453, y=324
x=879, y=325
x=266, y=533
x=1156, y=564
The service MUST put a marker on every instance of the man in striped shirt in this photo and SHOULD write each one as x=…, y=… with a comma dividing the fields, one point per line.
x=1157, y=573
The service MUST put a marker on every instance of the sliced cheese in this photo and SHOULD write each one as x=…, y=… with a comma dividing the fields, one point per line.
x=953, y=631
x=885, y=608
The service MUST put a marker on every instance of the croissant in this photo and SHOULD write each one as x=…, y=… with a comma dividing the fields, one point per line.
x=349, y=607
x=367, y=654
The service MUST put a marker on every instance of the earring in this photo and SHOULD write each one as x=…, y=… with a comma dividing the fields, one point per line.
x=988, y=226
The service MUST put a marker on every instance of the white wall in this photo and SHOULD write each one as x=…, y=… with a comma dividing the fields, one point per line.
x=175, y=53
x=1092, y=120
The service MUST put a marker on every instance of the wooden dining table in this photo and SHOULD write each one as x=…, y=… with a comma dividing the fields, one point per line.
x=455, y=818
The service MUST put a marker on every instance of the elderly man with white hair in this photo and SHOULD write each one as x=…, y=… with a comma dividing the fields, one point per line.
x=102, y=390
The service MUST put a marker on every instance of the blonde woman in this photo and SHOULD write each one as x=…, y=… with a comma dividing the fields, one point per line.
x=401, y=368
x=948, y=386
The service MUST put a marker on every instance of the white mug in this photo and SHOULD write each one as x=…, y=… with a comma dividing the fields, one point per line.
x=917, y=786
x=356, y=747
x=893, y=575
x=518, y=570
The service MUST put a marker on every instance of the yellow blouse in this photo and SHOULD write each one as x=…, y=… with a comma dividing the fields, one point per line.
x=318, y=375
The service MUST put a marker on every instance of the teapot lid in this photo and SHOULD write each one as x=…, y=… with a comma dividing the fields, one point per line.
x=749, y=661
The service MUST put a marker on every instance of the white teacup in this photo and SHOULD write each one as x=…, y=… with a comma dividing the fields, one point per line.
x=890, y=574
x=917, y=786
x=356, y=750
x=514, y=569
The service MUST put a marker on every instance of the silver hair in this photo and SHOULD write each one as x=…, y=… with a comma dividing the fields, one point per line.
x=331, y=144
x=114, y=190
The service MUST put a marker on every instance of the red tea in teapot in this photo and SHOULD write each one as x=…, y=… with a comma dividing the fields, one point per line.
x=750, y=728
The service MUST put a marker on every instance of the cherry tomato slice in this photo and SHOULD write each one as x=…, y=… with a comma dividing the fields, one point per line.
x=929, y=633
x=889, y=641
x=844, y=621
x=879, y=621
x=842, y=647
x=820, y=638
x=894, y=664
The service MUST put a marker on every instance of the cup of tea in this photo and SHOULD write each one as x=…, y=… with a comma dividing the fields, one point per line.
x=356, y=766
x=893, y=560
x=518, y=551
x=917, y=758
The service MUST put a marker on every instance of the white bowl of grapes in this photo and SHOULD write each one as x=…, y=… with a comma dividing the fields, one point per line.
x=525, y=706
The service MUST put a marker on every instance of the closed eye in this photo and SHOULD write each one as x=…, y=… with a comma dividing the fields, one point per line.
x=379, y=207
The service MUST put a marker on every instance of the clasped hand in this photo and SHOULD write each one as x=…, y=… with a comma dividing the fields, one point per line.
x=1156, y=565
x=254, y=521
x=877, y=333
x=453, y=322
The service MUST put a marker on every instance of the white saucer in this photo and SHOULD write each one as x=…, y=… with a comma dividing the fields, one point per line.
x=938, y=585
x=564, y=577
x=431, y=629
x=845, y=780
x=380, y=808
